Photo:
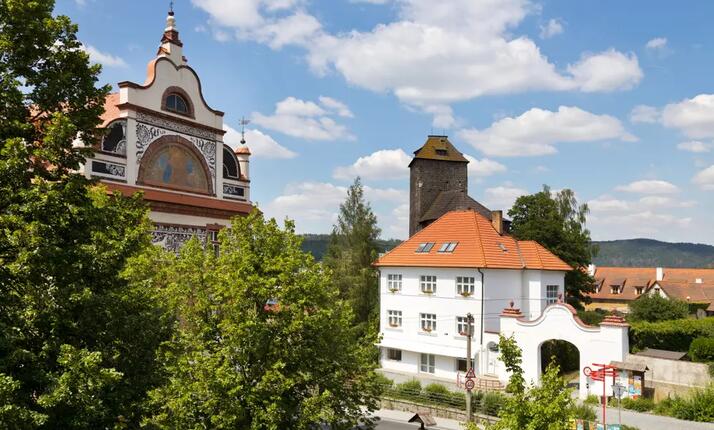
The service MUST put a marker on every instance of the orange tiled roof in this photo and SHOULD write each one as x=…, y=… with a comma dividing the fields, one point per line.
x=676, y=279
x=479, y=246
x=689, y=291
x=111, y=111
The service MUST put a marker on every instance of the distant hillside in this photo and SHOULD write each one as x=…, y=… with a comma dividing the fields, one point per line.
x=628, y=253
x=316, y=244
x=653, y=253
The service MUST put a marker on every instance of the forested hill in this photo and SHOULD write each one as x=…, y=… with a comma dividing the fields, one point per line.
x=630, y=252
x=316, y=244
x=653, y=253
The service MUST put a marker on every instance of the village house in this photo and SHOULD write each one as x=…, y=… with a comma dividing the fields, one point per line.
x=165, y=140
x=617, y=287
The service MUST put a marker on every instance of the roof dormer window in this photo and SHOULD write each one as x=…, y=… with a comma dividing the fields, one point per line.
x=424, y=247
x=615, y=289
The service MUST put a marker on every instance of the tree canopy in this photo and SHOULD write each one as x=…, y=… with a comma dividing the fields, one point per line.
x=653, y=308
x=558, y=222
x=77, y=341
x=262, y=339
x=352, y=250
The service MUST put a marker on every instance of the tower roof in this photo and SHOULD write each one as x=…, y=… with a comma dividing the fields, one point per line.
x=439, y=148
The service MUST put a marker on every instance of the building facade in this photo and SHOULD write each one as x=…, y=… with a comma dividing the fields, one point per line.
x=163, y=139
x=617, y=287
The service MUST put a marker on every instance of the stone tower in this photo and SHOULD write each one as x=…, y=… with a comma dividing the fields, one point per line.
x=438, y=183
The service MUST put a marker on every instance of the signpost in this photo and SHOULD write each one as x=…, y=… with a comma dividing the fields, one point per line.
x=469, y=384
x=618, y=390
x=601, y=373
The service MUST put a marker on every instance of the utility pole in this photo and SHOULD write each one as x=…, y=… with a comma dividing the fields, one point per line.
x=469, y=336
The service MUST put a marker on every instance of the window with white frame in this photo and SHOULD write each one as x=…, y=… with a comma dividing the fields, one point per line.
x=395, y=318
x=428, y=322
x=614, y=289
x=462, y=326
x=428, y=363
x=428, y=284
x=394, y=282
x=394, y=354
x=465, y=285
x=551, y=294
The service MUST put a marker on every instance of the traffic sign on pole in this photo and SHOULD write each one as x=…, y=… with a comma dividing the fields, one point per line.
x=469, y=384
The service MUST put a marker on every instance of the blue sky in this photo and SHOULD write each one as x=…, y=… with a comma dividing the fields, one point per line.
x=612, y=99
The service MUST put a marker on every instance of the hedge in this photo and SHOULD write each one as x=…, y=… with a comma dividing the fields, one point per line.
x=702, y=349
x=674, y=335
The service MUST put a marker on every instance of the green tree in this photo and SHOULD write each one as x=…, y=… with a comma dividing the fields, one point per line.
x=263, y=340
x=557, y=222
x=77, y=340
x=548, y=406
x=352, y=250
x=653, y=308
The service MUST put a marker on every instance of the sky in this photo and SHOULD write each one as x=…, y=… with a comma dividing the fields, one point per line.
x=612, y=99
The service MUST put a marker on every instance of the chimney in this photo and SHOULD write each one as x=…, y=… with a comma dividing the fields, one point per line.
x=591, y=269
x=497, y=221
x=660, y=273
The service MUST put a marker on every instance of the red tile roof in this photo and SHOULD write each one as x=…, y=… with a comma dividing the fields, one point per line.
x=479, y=246
x=111, y=111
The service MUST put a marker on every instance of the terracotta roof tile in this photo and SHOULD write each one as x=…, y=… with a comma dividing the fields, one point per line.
x=111, y=111
x=680, y=282
x=479, y=245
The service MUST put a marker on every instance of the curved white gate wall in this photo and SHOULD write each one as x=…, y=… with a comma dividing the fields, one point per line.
x=559, y=321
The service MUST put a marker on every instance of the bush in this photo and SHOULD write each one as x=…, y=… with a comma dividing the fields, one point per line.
x=437, y=393
x=698, y=406
x=491, y=403
x=584, y=412
x=592, y=399
x=408, y=390
x=639, y=404
x=591, y=317
x=384, y=381
x=674, y=335
x=702, y=349
x=653, y=307
x=711, y=369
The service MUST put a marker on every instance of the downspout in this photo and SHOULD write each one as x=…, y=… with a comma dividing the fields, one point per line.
x=482, y=305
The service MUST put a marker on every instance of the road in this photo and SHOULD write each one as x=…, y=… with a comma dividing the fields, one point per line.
x=394, y=425
x=652, y=422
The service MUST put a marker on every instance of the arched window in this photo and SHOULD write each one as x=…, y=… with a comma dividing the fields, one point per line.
x=176, y=103
x=231, y=169
x=176, y=100
x=115, y=140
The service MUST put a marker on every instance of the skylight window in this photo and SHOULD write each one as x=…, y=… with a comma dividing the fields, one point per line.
x=425, y=247
x=448, y=246
x=503, y=247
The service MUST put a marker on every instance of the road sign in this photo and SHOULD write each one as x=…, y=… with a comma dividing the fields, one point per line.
x=587, y=371
x=469, y=384
x=470, y=374
x=618, y=390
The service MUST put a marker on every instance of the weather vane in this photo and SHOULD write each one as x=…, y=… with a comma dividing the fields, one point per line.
x=171, y=7
x=243, y=123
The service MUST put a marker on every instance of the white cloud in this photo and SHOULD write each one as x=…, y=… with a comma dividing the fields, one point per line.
x=336, y=106
x=694, y=146
x=433, y=54
x=552, y=28
x=483, y=167
x=608, y=204
x=314, y=205
x=694, y=117
x=502, y=197
x=665, y=202
x=644, y=113
x=303, y=119
x=652, y=186
x=705, y=178
x=538, y=131
x=607, y=71
x=399, y=222
x=260, y=144
x=657, y=43
x=383, y=164
x=642, y=224
x=103, y=58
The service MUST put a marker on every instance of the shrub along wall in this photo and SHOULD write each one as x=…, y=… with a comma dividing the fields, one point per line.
x=674, y=335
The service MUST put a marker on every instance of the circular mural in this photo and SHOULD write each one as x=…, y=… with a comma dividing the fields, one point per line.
x=174, y=165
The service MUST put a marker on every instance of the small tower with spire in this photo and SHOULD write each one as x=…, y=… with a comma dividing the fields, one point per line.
x=171, y=45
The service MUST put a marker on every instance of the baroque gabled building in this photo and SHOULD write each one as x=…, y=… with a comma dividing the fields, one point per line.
x=163, y=139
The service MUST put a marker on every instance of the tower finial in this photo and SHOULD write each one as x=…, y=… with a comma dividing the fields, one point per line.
x=171, y=8
x=243, y=123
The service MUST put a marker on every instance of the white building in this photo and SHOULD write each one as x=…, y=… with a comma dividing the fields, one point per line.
x=461, y=263
x=164, y=140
